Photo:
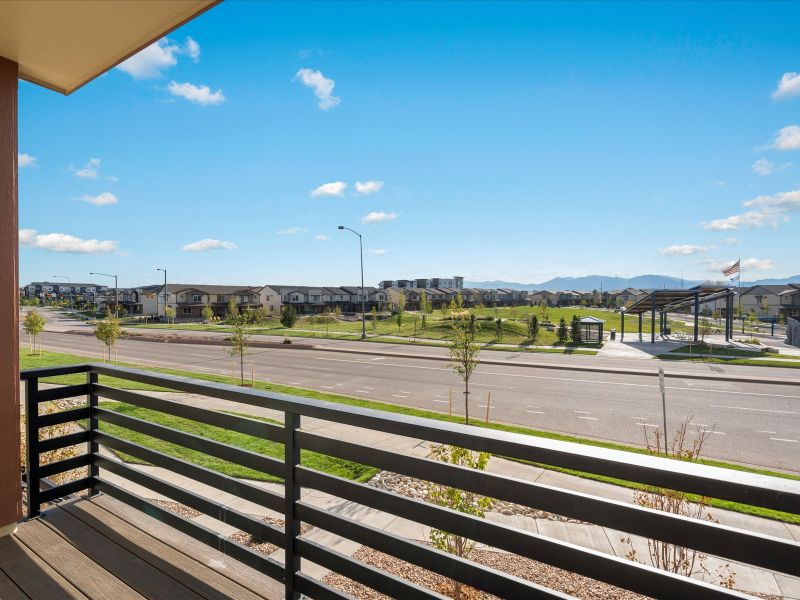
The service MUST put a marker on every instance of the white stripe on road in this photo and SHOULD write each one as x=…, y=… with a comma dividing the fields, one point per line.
x=326, y=387
x=785, y=440
x=590, y=418
x=502, y=387
x=648, y=425
x=768, y=410
x=442, y=401
x=535, y=412
x=582, y=412
x=764, y=431
x=362, y=392
x=398, y=396
x=712, y=431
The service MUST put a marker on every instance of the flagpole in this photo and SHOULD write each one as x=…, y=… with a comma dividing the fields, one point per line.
x=739, y=288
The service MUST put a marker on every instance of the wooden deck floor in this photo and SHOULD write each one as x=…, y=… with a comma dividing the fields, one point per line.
x=100, y=548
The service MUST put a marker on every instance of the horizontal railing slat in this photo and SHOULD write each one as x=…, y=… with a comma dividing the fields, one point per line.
x=239, y=456
x=715, y=482
x=236, y=551
x=381, y=581
x=60, y=491
x=244, y=425
x=64, y=416
x=234, y=518
x=220, y=481
x=42, y=372
x=61, y=392
x=449, y=565
x=316, y=589
x=62, y=466
x=737, y=544
x=591, y=563
x=64, y=441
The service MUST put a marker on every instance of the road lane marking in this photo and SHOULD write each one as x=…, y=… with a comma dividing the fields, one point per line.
x=647, y=425
x=769, y=410
x=699, y=424
x=402, y=392
x=362, y=392
x=502, y=387
x=442, y=401
x=326, y=387
x=535, y=412
x=712, y=431
x=639, y=418
x=785, y=440
x=582, y=412
x=764, y=431
x=295, y=382
x=398, y=396
x=590, y=418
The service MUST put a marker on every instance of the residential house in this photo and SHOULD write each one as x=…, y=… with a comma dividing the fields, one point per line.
x=771, y=300
x=188, y=300
x=568, y=298
x=538, y=296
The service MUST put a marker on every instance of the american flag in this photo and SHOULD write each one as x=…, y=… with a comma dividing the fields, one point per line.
x=732, y=270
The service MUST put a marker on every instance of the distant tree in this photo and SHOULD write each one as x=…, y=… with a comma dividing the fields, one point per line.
x=765, y=306
x=108, y=331
x=464, y=355
x=232, y=311
x=424, y=322
x=400, y=311
x=240, y=339
x=498, y=329
x=424, y=303
x=544, y=312
x=752, y=321
x=288, y=316
x=169, y=313
x=781, y=319
x=374, y=319
x=704, y=328
x=562, y=333
x=717, y=316
x=533, y=329
x=337, y=311
x=584, y=304
x=458, y=500
x=208, y=313
x=459, y=302
x=575, y=329
x=34, y=324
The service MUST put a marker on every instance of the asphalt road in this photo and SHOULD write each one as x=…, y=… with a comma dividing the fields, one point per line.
x=756, y=424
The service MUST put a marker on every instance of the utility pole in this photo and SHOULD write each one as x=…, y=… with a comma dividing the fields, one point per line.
x=363, y=297
x=116, y=292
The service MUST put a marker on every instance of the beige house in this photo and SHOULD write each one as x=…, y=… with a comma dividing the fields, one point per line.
x=771, y=300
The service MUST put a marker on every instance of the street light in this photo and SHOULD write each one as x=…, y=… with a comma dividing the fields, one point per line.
x=69, y=281
x=116, y=292
x=165, y=292
x=363, y=297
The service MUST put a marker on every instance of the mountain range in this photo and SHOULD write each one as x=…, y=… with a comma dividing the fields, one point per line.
x=588, y=283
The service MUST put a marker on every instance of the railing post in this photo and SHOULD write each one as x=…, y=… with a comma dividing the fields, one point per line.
x=291, y=496
x=92, y=448
x=32, y=446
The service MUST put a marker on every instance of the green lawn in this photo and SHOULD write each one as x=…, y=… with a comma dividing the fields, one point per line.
x=705, y=349
x=53, y=359
x=750, y=362
x=320, y=462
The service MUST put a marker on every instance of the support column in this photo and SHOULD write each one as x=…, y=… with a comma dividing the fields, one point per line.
x=666, y=322
x=640, y=327
x=728, y=306
x=696, y=315
x=653, y=321
x=622, y=326
x=10, y=480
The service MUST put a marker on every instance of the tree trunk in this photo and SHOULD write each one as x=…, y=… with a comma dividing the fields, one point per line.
x=241, y=367
x=466, y=401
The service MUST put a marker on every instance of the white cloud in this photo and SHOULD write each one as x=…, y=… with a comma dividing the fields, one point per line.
x=377, y=251
x=365, y=188
x=321, y=237
x=90, y=171
x=334, y=188
x=151, y=62
x=192, y=49
x=731, y=241
x=764, y=167
x=199, y=94
x=103, y=199
x=787, y=138
x=766, y=211
x=62, y=242
x=718, y=183
x=683, y=250
x=208, y=244
x=26, y=160
x=291, y=231
x=321, y=85
x=788, y=86
x=757, y=264
x=378, y=217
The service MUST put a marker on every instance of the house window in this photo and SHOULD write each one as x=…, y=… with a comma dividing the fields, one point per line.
x=197, y=298
x=244, y=298
x=187, y=310
x=221, y=298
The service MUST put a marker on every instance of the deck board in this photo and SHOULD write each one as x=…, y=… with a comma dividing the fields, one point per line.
x=83, y=573
x=102, y=549
x=195, y=575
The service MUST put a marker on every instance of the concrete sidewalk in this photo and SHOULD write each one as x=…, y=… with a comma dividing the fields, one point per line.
x=584, y=534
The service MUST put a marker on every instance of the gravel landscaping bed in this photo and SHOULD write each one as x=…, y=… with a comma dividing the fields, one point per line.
x=261, y=545
x=178, y=508
x=536, y=572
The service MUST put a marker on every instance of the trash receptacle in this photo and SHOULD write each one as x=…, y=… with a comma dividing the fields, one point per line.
x=613, y=334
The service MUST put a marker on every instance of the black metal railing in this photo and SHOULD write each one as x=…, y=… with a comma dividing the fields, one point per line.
x=756, y=549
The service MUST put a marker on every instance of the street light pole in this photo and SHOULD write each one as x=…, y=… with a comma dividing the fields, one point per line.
x=69, y=281
x=363, y=297
x=165, y=292
x=116, y=292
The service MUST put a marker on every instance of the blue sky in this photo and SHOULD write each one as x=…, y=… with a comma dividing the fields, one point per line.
x=496, y=141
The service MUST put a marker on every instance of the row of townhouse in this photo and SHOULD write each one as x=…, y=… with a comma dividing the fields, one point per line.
x=772, y=300
x=80, y=294
x=614, y=298
x=470, y=297
x=455, y=282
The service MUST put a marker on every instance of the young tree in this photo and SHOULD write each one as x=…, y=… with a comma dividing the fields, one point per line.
x=400, y=312
x=208, y=313
x=424, y=303
x=544, y=312
x=169, y=313
x=704, y=328
x=288, y=316
x=108, y=332
x=232, y=311
x=575, y=330
x=765, y=306
x=459, y=302
x=752, y=321
x=459, y=500
x=374, y=319
x=337, y=311
x=562, y=333
x=240, y=339
x=717, y=316
x=533, y=329
x=464, y=355
x=498, y=329
x=34, y=325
